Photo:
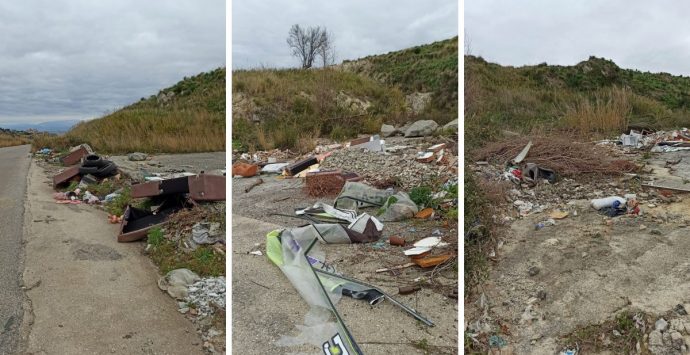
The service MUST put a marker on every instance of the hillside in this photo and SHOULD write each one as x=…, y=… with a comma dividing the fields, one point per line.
x=187, y=117
x=287, y=108
x=593, y=96
x=430, y=68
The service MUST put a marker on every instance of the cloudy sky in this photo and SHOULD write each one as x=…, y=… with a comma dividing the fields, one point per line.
x=645, y=35
x=360, y=27
x=76, y=59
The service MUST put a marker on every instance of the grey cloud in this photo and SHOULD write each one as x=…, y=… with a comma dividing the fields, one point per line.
x=79, y=59
x=644, y=35
x=360, y=27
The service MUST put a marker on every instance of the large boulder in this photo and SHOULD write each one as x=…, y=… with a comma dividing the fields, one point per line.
x=388, y=130
x=452, y=125
x=421, y=129
x=137, y=156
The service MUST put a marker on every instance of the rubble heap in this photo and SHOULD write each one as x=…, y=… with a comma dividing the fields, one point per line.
x=376, y=166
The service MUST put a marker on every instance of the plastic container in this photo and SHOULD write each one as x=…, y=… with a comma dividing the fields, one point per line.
x=600, y=203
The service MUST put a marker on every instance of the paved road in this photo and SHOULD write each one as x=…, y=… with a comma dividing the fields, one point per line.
x=14, y=166
x=88, y=293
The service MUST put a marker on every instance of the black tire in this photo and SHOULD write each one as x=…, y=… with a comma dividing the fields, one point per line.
x=93, y=160
x=109, y=169
x=83, y=170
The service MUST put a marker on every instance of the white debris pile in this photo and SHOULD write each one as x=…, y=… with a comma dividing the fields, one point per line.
x=206, y=293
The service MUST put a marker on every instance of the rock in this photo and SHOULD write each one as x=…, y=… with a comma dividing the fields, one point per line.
x=533, y=271
x=655, y=232
x=643, y=227
x=616, y=333
x=452, y=125
x=541, y=295
x=137, y=156
x=176, y=281
x=655, y=338
x=680, y=309
x=388, y=130
x=421, y=129
x=661, y=325
x=677, y=325
x=418, y=101
x=677, y=340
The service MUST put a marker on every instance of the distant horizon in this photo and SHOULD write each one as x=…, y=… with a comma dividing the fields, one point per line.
x=573, y=64
x=261, y=66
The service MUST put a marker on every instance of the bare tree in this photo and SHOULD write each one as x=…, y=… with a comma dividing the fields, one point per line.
x=327, y=50
x=306, y=43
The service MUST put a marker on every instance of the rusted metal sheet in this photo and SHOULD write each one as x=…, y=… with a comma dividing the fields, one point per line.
x=132, y=228
x=202, y=187
x=65, y=176
x=75, y=156
x=205, y=187
x=147, y=189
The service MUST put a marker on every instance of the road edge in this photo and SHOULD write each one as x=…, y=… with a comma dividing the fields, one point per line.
x=27, y=307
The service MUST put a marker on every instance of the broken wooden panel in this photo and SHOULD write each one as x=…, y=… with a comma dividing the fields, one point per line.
x=75, y=156
x=65, y=176
x=299, y=166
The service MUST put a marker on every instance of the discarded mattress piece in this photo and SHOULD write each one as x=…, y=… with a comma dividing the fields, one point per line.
x=393, y=206
x=137, y=222
x=65, y=177
x=299, y=166
x=299, y=258
x=75, y=154
x=324, y=183
x=202, y=187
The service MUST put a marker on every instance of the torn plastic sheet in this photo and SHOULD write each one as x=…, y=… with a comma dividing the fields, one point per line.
x=393, y=206
x=327, y=213
x=302, y=262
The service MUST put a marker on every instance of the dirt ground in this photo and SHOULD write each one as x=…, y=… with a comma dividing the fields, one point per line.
x=266, y=306
x=546, y=283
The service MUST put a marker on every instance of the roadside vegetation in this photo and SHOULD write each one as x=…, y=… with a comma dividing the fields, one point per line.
x=288, y=108
x=167, y=247
x=9, y=138
x=187, y=117
x=427, y=68
x=590, y=99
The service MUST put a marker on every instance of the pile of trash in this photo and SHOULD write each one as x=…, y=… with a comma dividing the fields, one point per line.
x=357, y=215
x=199, y=298
x=206, y=295
x=554, y=154
x=167, y=194
x=659, y=141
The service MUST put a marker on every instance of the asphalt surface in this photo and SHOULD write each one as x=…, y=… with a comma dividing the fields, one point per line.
x=87, y=293
x=14, y=166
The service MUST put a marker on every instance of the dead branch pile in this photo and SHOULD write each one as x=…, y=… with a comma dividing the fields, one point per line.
x=565, y=157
